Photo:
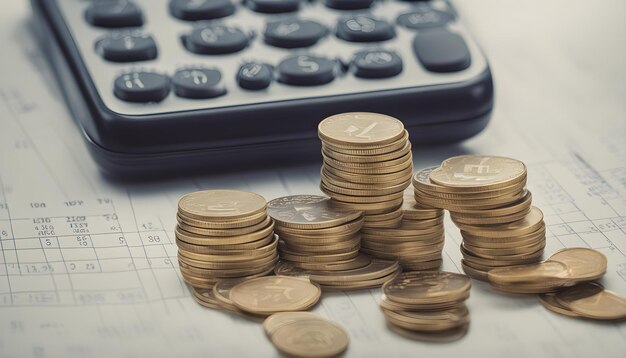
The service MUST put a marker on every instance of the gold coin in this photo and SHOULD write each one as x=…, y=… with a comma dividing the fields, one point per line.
x=348, y=228
x=549, y=301
x=414, y=211
x=263, y=260
x=421, y=224
x=360, y=285
x=490, y=252
x=471, y=204
x=400, y=232
x=197, y=239
x=253, y=248
x=418, y=264
x=350, y=158
x=370, y=150
x=217, y=274
x=424, y=239
x=388, y=224
x=591, y=300
x=272, y=323
x=360, y=129
x=347, y=166
x=477, y=171
x=347, y=188
x=523, y=204
x=505, y=258
x=422, y=321
x=221, y=289
x=426, y=287
x=433, y=256
x=584, y=264
x=304, y=336
x=375, y=269
x=382, y=180
x=379, y=170
x=221, y=205
x=309, y=212
x=530, y=223
x=551, y=272
x=386, y=303
x=511, y=241
x=237, y=223
x=271, y=294
x=370, y=199
x=373, y=208
x=226, y=232
x=357, y=262
x=473, y=272
x=488, y=220
x=445, y=336
x=496, y=262
x=385, y=217
x=291, y=256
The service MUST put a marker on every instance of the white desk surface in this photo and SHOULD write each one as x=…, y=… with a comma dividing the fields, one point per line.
x=560, y=77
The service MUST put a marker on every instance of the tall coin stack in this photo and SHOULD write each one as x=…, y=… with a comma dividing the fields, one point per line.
x=315, y=234
x=367, y=165
x=416, y=243
x=427, y=305
x=224, y=234
x=488, y=201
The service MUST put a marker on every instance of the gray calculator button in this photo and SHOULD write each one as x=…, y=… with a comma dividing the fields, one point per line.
x=376, y=64
x=216, y=39
x=198, y=83
x=274, y=6
x=424, y=16
x=440, y=50
x=141, y=86
x=128, y=48
x=194, y=10
x=114, y=13
x=348, y=4
x=306, y=70
x=364, y=28
x=293, y=33
x=254, y=76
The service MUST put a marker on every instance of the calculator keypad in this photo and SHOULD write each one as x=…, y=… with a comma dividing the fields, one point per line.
x=225, y=53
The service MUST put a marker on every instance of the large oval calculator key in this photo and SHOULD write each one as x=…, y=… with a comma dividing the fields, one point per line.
x=306, y=70
x=142, y=86
x=128, y=48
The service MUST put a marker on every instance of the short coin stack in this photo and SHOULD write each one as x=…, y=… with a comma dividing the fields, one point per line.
x=224, y=234
x=427, y=305
x=314, y=233
x=488, y=201
x=304, y=334
x=364, y=273
x=416, y=243
x=565, y=268
x=587, y=300
x=367, y=165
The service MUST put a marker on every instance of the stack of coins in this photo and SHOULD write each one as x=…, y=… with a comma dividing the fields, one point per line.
x=224, y=234
x=417, y=243
x=367, y=165
x=304, y=334
x=314, y=233
x=565, y=268
x=488, y=201
x=365, y=273
x=428, y=305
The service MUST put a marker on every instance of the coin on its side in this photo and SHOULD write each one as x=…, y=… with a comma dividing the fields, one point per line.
x=221, y=205
x=306, y=336
x=271, y=294
x=478, y=171
x=360, y=129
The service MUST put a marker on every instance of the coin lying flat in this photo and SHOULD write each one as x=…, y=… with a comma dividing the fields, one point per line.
x=584, y=264
x=304, y=335
x=480, y=172
x=591, y=300
x=360, y=129
x=221, y=205
x=271, y=294
x=308, y=211
x=425, y=287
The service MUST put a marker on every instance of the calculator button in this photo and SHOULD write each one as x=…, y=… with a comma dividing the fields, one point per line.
x=349, y=4
x=364, y=28
x=194, y=10
x=114, y=13
x=306, y=70
x=198, y=83
x=216, y=39
x=128, y=48
x=254, y=76
x=440, y=50
x=274, y=6
x=141, y=87
x=293, y=33
x=424, y=16
x=376, y=64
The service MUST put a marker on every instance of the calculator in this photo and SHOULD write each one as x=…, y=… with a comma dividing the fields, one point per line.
x=161, y=86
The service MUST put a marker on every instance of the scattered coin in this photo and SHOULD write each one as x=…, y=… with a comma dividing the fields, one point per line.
x=591, y=300
x=271, y=294
x=303, y=334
